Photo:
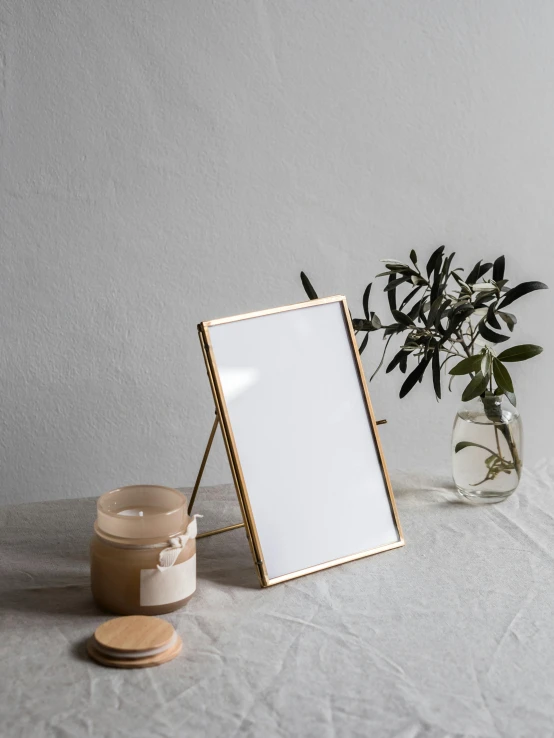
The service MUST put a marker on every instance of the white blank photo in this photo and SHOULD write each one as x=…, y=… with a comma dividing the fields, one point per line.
x=296, y=408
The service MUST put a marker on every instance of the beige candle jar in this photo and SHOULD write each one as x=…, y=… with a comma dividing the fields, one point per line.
x=143, y=551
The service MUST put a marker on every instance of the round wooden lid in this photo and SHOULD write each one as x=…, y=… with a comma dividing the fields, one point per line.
x=135, y=633
x=134, y=663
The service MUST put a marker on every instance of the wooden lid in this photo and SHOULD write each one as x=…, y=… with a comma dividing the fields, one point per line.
x=134, y=641
x=134, y=633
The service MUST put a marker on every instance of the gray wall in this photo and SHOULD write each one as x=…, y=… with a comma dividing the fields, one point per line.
x=165, y=162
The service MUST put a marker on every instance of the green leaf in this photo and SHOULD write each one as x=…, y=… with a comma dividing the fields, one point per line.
x=484, y=269
x=520, y=353
x=393, y=328
x=312, y=294
x=442, y=313
x=365, y=300
x=396, y=361
x=361, y=324
x=502, y=376
x=393, y=283
x=465, y=287
x=484, y=287
x=522, y=289
x=509, y=318
x=478, y=271
x=465, y=308
x=498, y=269
x=436, y=285
x=405, y=270
x=437, y=302
x=401, y=270
x=446, y=266
x=391, y=294
x=511, y=397
x=472, y=277
x=416, y=309
x=465, y=366
x=475, y=388
x=492, y=319
x=411, y=294
x=490, y=335
x=414, y=377
x=436, y=367
x=484, y=297
x=465, y=444
x=402, y=318
x=413, y=257
x=436, y=256
x=486, y=363
x=456, y=318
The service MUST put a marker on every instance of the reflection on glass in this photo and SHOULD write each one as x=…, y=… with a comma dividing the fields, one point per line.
x=236, y=380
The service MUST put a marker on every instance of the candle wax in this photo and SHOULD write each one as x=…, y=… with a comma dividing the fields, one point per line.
x=142, y=511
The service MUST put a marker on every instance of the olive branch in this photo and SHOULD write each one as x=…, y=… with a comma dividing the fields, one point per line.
x=445, y=316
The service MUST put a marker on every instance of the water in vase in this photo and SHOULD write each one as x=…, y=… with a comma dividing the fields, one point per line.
x=487, y=451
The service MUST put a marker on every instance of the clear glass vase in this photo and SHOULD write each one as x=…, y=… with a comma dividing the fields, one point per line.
x=487, y=449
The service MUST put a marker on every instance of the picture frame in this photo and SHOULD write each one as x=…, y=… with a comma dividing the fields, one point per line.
x=254, y=362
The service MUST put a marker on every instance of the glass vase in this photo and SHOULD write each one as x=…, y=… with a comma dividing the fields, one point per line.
x=487, y=449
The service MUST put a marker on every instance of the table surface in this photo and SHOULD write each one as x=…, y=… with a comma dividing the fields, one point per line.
x=452, y=635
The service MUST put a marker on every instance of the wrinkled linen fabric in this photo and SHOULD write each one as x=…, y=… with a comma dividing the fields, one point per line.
x=452, y=635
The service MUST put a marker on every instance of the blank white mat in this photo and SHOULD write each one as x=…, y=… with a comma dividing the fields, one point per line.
x=303, y=435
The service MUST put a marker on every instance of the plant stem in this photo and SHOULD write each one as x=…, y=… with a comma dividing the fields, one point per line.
x=507, y=433
x=501, y=425
x=496, y=436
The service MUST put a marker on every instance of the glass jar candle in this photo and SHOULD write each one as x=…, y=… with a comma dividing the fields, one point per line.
x=143, y=551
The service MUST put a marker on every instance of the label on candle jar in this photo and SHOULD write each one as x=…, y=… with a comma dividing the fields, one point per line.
x=171, y=585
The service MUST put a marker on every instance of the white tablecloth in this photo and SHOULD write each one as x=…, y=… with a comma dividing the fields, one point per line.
x=452, y=635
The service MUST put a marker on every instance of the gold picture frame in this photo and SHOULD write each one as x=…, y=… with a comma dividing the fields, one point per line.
x=222, y=417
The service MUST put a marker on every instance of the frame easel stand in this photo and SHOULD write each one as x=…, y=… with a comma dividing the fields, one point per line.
x=199, y=479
